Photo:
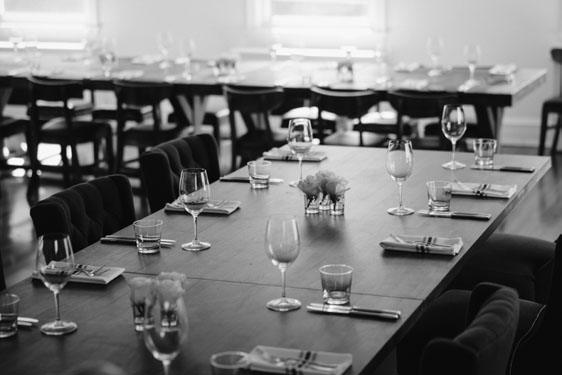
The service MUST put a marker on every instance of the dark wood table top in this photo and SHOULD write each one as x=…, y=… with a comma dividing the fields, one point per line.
x=232, y=281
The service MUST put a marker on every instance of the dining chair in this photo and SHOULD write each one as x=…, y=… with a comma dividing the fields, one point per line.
x=55, y=120
x=86, y=211
x=143, y=134
x=161, y=166
x=552, y=105
x=478, y=342
x=2, y=277
x=254, y=107
x=353, y=105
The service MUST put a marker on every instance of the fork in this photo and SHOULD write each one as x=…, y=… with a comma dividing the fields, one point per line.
x=294, y=362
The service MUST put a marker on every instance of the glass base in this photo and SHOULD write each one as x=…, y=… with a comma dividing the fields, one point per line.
x=196, y=246
x=58, y=328
x=452, y=165
x=283, y=304
x=400, y=211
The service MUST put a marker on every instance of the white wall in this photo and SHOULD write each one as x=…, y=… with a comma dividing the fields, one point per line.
x=519, y=31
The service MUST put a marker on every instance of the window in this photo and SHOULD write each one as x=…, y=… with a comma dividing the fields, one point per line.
x=60, y=24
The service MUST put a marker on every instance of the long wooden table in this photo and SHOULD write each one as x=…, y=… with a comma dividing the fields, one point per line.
x=489, y=98
x=231, y=282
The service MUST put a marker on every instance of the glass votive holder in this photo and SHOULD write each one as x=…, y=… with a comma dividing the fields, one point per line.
x=259, y=172
x=312, y=204
x=484, y=149
x=141, y=289
x=325, y=203
x=337, y=205
x=228, y=363
x=439, y=195
x=9, y=304
x=336, y=283
x=148, y=233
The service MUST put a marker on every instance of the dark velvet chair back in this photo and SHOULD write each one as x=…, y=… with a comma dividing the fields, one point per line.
x=87, y=211
x=2, y=278
x=484, y=347
x=161, y=166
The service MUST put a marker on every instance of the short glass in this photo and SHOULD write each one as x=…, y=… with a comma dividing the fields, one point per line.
x=148, y=233
x=312, y=204
x=484, y=149
x=9, y=304
x=338, y=205
x=439, y=195
x=228, y=363
x=141, y=289
x=336, y=283
x=259, y=172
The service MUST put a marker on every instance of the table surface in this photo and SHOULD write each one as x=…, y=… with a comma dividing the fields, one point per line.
x=232, y=281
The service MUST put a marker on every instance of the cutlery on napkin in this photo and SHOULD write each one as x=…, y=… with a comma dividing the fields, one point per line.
x=353, y=311
x=422, y=244
x=218, y=207
x=24, y=321
x=123, y=240
x=288, y=361
x=284, y=153
x=247, y=179
x=504, y=168
x=483, y=190
x=456, y=214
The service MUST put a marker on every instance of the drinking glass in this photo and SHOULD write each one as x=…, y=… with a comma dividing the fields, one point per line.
x=107, y=56
x=434, y=48
x=187, y=51
x=399, y=165
x=165, y=42
x=165, y=322
x=54, y=264
x=300, y=141
x=453, y=125
x=282, y=246
x=16, y=40
x=195, y=193
x=472, y=55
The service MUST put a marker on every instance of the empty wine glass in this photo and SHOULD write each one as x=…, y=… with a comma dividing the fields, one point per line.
x=54, y=263
x=187, y=51
x=299, y=139
x=434, y=48
x=282, y=246
x=107, y=56
x=453, y=125
x=399, y=165
x=165, y=322
x=165, y=41
x=472, y=55
x=16, y=40
x=195, y=193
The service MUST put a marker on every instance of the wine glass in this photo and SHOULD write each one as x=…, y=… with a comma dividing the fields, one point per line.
x=472, y=55
x=54, y=263
x=399, y=165
x=453, y=125
x=282, y=246
x=434, y=48
x=16, y=40
x=300, y=141
x=107, y=56
x=195, y=193
x=165, y=42
x=165, y=322
x=187, y=51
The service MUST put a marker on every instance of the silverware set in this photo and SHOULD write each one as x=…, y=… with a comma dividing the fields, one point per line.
x=85, y=269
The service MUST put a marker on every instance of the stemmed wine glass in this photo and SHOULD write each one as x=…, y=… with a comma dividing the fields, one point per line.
x=434, y=50
x=54, y=263
x=165, y=41
x=187, y=51
x=195, y=193
x=107, y=56
x=453, y=125
x=399, y=165
x=300, y=141
x=282, y=246
x=472, y=55
x=165, y=322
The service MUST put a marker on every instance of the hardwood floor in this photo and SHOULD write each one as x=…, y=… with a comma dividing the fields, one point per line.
x=539, y=215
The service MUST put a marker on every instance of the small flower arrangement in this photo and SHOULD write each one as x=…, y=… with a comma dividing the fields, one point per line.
x=321, y=187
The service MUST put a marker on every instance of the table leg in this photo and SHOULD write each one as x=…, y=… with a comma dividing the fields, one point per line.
x=490, y=120
x=194, y=112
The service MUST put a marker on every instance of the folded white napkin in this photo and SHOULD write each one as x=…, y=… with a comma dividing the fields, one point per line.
x=220, y=207
x=412, y=84
x=503, y=69
x=294, y=361
x=101, y=274
x=406, y=67
x=128, y=74
x=422, y=244
x=146, y=59
x=285, y=153
x=483, y=190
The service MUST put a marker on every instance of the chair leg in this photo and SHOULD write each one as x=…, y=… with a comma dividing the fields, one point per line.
x=65, y=166
x=77, y=173
x=109, y=157
x=96, y=147
x=544, y=124
x=556, y=135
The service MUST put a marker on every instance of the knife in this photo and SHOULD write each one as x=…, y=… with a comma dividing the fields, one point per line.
x=505, y=168
x=247, y=179
x=25, y=321
x=456, y=215
x=132, y=241
x=353, y=311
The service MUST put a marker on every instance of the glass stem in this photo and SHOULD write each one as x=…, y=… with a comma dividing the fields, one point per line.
x=166, y=366
x=453, y=153
x=471, y=69
x=195, y=239
x=283, y=279
x=57, y=309
x=400, y=205
x=299, y=157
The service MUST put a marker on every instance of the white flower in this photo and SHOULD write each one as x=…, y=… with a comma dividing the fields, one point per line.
x=180, y=277
x=335, y=186
x=168, y=291
x=323, y=177
x=310, y=186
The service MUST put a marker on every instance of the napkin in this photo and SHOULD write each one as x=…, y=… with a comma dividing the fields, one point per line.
x=219, y=207
x=102, y=274
x=423, y=244
x=412, y=84
x=289, y=361
x=285, y=153
x=406, y=67
x=146, y=59
x=503, y=69
x=483, y=190
x=128, y=74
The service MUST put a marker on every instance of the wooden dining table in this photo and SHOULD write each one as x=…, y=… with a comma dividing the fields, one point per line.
x=490, y=97
x=230, y=283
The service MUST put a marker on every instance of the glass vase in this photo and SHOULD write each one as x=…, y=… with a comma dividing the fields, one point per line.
x=337, y=205
x=311, y=204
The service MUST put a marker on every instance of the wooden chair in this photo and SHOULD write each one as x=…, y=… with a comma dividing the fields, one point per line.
x=161, y=166
x=552, y=105
x=87, y=211
x=142, y=135
x=252, y=105
x=48, y=100
x=353, y=105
